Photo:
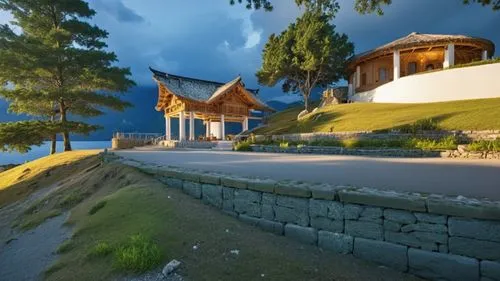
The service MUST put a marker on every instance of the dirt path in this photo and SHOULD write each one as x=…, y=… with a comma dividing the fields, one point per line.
x=25, y=255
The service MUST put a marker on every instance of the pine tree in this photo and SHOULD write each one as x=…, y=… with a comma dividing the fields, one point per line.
x=59, y=62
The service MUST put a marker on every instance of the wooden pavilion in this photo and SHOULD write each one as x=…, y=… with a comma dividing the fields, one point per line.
x=213, y=102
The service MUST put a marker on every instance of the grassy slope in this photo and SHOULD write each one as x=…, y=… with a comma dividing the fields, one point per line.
x=23, y=180
x=138, y=204
x=481, y=114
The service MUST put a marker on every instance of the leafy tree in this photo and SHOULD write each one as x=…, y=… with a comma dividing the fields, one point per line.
x=362, y=6
x=308, y=54
x=59, y=61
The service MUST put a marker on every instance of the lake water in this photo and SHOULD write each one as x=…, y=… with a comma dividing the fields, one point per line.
x=43, y=150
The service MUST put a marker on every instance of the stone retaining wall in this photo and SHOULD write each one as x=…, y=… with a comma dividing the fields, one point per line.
x=385, y=152
x=465, y=136
x=188, y=144
x=432, y=236
x=125, y=143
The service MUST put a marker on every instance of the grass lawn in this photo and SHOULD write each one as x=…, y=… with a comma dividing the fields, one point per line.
x=125, y=222
x=480, y=114
x=23, y=180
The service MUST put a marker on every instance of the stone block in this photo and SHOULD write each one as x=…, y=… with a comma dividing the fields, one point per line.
x=388, y=254
x=490, y=269
x=263, y=185
x=466, y=208
x=474, y=248
x=443, y=249
x=247, y=207
x=352, y=212
x=362, y=229
x=409, y=239
x=291, y=202
x=324, y=191
x=425, y=227
x=267, y=211
x=438, y=266
x=371, y=212
x=322, y=223
x=441, y=238
x=268, y=199
x=337, y=242
x=399, y=216
x=431, y=218
x=228, y=199
x=272, y=226
x=379, y=198
x=293, y=188
x=477, y=229
x=173, y=182
x=247, y=195
x=392, y=226
x=249, y=220
x=325, y=208
x=212, y=194
x=210, y=178
x=192, y=188
x=236, y=182
x=306, y=235
x=189, y=176
x=291, y=215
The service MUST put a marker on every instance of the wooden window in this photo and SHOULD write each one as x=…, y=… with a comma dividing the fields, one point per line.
x=363, y=79
x=382, y=74
x=412, y=68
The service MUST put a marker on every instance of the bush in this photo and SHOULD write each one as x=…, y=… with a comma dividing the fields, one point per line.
x=485, y=145
x=427, y=124
x=284, y=144
x=65, y=247
x=449, y=142
x=101, y=249
x=139, y=255
x=243, y=146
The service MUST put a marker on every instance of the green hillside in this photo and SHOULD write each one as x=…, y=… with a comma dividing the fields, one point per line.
x=480, y=114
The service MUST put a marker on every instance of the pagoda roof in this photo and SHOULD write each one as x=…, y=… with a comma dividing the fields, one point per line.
x=203, y=90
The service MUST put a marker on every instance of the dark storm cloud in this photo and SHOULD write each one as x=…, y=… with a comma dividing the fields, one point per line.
x=118, y=10
x=207, y=39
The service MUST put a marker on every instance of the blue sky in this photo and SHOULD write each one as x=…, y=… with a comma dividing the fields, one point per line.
x=210, y=39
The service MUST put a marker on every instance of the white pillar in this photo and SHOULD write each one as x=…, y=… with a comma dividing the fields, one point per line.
x=397, y=65
x=222, y=130
x=207, y=128
x=485, y=55
x=358, y=76
x=191, y=126
x=449, y=56
x=245, y=124
x=182, y=126
x=168, y=134
x=349, y=90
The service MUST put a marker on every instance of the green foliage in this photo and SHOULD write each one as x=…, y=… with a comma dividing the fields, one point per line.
x=475, y=63
x=243, y=146
x=426, y=124
x=101, y=249
x=308, y=54
x=97, y=207
x=448, y=142
x=284, y=144
x=485, y=145
x=138, y=255
x=57, y=65
x=331, y=7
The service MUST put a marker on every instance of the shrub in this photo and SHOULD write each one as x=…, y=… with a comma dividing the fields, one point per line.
x=101, y=249
x=427, y=124
x=284, y=144
x=243, y=146
x=139, y=255
x=485, y=145
x=97, y=207
x=449, y=142
x=65, y=247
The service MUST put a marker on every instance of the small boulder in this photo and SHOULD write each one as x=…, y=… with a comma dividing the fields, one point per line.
x=170, y=267
x=462, y=148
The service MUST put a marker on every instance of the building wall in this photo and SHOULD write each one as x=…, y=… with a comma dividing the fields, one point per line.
x=473, y=82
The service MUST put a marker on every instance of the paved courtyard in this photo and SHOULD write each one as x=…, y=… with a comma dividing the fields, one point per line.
x=472, y=178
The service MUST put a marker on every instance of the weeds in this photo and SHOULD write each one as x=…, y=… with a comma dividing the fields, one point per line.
x=101, y=249
x=485, y=145
x=65, y=247
x=97, y=207
x=138, y=255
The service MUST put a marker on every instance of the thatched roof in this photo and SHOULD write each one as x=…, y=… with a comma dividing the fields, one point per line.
x=416, y=40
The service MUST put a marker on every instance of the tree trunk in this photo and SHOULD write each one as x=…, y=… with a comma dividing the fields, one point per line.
x=53, y=144
x=53, y=139
x=67, y=143
x=306, y=99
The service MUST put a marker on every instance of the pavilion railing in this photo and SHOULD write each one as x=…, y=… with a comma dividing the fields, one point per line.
x=136, y=136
